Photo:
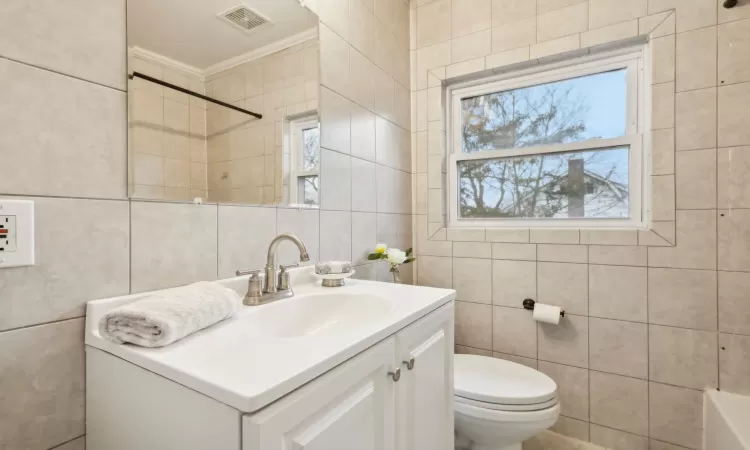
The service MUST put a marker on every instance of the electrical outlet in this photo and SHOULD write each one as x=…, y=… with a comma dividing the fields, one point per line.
x=16, y=233
x=8, y=234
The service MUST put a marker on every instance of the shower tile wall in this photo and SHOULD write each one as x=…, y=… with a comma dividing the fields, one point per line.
x=246, y=162
x=647, y=327
x=63, y=129
x=167, y=131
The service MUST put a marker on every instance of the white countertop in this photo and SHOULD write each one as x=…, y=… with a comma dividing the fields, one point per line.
x=239, y=365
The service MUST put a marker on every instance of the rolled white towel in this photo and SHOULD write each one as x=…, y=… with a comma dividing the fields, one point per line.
x=165, y=317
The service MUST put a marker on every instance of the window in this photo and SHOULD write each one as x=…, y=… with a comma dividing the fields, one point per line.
x=305, y=161
x=559, y=146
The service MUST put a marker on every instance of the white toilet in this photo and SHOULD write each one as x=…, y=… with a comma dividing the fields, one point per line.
x=498, y=404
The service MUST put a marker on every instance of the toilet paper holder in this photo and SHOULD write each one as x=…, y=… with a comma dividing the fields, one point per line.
x=529, y=304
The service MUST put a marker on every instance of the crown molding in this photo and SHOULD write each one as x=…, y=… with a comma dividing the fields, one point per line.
x=266, y=50
x=304, y=36
x=165, y=61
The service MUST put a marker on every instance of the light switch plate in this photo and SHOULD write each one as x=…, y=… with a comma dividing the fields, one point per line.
x=17, y=235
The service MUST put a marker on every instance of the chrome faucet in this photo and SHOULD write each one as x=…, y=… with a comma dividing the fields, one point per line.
x=272, y=288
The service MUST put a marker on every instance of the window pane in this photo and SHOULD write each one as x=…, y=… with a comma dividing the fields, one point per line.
x=590, y=184
x=593, y=106
x=308, y=190
x=310, y=145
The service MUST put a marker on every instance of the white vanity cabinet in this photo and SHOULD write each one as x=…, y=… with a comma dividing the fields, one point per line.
x=376, y=376
x=359, y=405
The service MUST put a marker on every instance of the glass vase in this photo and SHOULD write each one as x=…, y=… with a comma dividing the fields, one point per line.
x=396, y=275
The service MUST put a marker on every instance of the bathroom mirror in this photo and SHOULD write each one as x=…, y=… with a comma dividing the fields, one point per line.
x=223, y=101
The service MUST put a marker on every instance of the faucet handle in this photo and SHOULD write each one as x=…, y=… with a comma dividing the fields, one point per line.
x=253, y=272
x=288, y=266
x=254, y=286
x=283, y=282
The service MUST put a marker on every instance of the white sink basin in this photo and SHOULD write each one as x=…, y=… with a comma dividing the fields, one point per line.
x=265, y=352
x=317, y=314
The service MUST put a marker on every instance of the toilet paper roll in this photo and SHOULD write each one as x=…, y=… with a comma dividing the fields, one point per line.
x=547, y=313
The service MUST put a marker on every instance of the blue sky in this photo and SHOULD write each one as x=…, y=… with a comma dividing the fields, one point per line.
x=605, y=116
x=606, y=97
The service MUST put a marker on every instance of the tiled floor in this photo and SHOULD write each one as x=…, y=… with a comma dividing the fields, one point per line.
x=547, y=440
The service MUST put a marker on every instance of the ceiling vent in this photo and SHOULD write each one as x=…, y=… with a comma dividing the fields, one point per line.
x=244, y=18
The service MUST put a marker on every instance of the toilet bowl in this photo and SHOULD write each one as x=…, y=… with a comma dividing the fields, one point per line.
x=498, y=404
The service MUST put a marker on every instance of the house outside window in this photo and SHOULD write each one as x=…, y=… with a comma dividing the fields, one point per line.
x=559, y=146
x=305, y=161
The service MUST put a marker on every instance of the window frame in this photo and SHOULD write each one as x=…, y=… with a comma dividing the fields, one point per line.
x=297, y=128
x=633, y=61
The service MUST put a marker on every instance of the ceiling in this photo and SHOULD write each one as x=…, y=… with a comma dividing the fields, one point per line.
x=188, y=31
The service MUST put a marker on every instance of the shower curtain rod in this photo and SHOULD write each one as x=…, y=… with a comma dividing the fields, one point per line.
x=194, y=94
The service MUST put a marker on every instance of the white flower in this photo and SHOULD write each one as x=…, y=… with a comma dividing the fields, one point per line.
x=381, y=248
x=396, y=256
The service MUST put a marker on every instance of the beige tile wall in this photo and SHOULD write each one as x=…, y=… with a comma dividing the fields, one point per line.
x=167, y=134
x=63, y=141
x=649, y=324
x=246, y=161
x=366, y=178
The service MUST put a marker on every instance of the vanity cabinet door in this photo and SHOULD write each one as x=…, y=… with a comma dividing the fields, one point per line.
x=424, y=413
x=350, y=407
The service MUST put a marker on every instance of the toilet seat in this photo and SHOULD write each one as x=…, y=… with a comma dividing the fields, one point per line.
x=505, y=407
x=495, y=417
x=500, y=385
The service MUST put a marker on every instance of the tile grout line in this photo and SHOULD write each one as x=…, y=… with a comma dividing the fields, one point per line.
x=130, y=247
x=67, y=442
x=622, y=431
x=106, y=199
x=718, y=217
x=588, y=331
x=536, y=294
x=648, y=355
x=674, y=157
x=66, y=75
x=41, y=324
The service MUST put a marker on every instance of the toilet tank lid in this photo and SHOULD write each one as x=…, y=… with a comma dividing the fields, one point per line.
x=497, y=381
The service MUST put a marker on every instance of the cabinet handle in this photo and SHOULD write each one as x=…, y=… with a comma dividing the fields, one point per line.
x=396, y=375
x=410, y=363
